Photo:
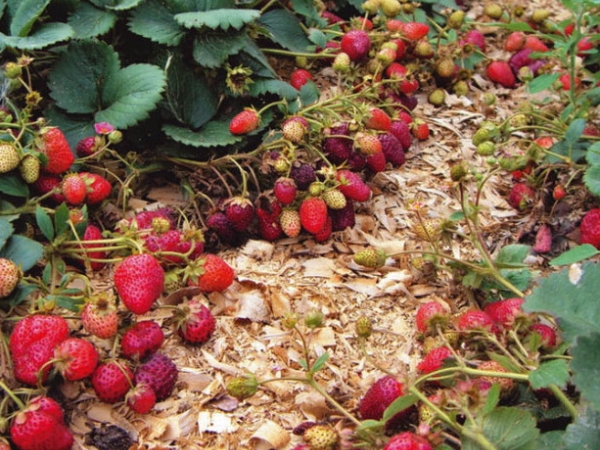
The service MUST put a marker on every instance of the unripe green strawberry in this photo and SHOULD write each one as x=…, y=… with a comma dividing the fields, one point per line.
x=481, y=135
x=445, y=68
x=371, y=257
x=437, y=97
x=9, y=158
x=428, y=230
x=386, y=56
x=321, y=437
x=12, y=70
x=364, y=327
x=9, y=277
x=486, y=148
x=29, y=167
x=341, y=63
x=424, y=49
x=458, y=172
x=456, y=19
x=334, y=199
x=289, y=220
x=316, y=188
x=242, y=387
x=460, y=88
x=539, y=15
x=391, y=8
x=493, y=11
x=294, y=129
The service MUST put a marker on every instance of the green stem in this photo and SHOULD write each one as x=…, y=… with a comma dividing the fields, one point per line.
x=560, y=395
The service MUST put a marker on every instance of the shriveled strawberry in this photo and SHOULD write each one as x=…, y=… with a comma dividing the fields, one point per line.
x=268, y=219
x=313, y=214
x=299, y=78
x=244, y=122
x=337, y=145
x=76, y=358
x=392, y=149
x=356, y=44
x=160, y=373
x=501, y=73
x=343, y=218
x=240, y=212
x=139, y=281
x=303, y=174
x=54, y=145
x=87, y=146
x=195, y=323
x=112, y=380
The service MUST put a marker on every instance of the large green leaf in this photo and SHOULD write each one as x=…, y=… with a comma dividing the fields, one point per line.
x=572, y=297
x=586, y=367
x=285, y=29
x=130, y=94
x=212, y=49
x=155, y=21
x=13, y=184
x=550, y=372
x=224, y=18
x=592, y=156
x=117, y=5
x=78, y=77
x=507, y=429
x=212, y=134
x=584, y=433
x=576, y=254
x=88, y=21
x=6, y=231
x=44, y=36
x=189, y=97
x=591, y=178
x=26, y=15
x=23, y=251
x=272, y=86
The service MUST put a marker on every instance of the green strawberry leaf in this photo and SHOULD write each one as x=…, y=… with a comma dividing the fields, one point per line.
x=400, y=404
x=550, y=372
x=584, y=432
x=284, y=29
x=320, y=362
x=189, y=97
x=592, y=156
x=512, y=255
x=542, y=82
x=44, y=36
x=212, y=49
x=271, y=86
x=506, y=428
x=21, y=292
x=212, y=134
x=88, y=21
x=130, y=94
x=6, y=231
x=23, y=251
x=70, y=303
x=576, y=254
x=44, y=222
x=223, y=18
x=26, y=15
x=154, y=21
x=61, y=219
x=12, y=184
x=117, y=5
x=552, y=440
x=572, y=297
x=591, y=178
x=586, y=367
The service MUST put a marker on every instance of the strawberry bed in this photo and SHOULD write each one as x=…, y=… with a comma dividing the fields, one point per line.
x=299, y=226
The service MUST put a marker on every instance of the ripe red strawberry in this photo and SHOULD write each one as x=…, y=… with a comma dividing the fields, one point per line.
x=141, y=398
x=514, y=41
x=139, y=281
x=429, y=314
x=195, y=323
x=376, y=162
x=584, y=46
x=475, y=320
x=112, y=380
x=353, y=186
x=86, y=146
x=324, y=233
x=54, y=145
x=285, y=190
x=547, y=333
x=98, y=187
x=505, y=312
x=313, y=214
x=356, y=43
x=32, y=344
x=420, y=129
x=159, y=373
x=76, y=358
x=299, y=77
x=142, y=339
x=378, y=119
x=413, y=31
x=543, y=239
x=73, y=189
x=434, y=360
x=39, y=428
x=240, y=212
x=49, y=183
x=290, y=222
x=590, y=228
x=244, y=122
x=535, y=43
x=392, y=149
x=10, y=275
x=93, y=233
x=211, y=274
x=521, y=196
x=501, y=73
x=559, y=192
x=475, y=38
x=379, y=396
x=408, y=441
